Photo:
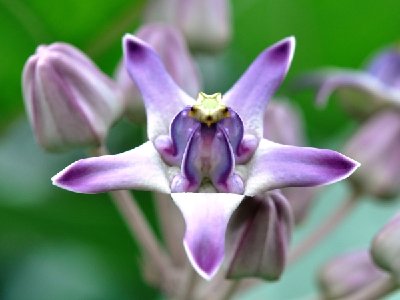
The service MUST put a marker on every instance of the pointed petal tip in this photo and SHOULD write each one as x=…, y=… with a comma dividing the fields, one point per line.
x=348, y=165
x=68, y=179
x=284, y=50
x=133, y=46
x=206, y=272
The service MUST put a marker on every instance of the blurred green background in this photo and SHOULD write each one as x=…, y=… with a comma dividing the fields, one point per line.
x=59, y=245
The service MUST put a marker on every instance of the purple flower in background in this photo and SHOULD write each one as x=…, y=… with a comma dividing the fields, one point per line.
x=362, y=92
x=209, y=154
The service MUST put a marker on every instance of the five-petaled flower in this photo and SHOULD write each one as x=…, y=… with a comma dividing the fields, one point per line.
x=210, y=154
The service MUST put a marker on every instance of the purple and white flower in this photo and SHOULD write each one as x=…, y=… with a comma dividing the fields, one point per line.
x=208, y=154
x=362, y=92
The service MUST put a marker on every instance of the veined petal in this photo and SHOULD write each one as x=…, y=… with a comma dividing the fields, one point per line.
x=206, y=216
x=277, y=166
x=140, y=168
x=250, y=95
x=162, y=97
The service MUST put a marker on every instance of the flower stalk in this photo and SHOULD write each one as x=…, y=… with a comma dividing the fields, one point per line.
x=328, y=225
x=139, y=228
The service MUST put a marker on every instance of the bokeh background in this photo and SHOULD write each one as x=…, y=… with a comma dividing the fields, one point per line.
x=58, y=245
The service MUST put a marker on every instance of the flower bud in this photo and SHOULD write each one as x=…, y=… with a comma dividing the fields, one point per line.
x=258, y=237
x=385, y=247
x=376, y=146
x=206, y=24
x=69, y=101
x=347, y=274
x=283, y=125
x=171, y=47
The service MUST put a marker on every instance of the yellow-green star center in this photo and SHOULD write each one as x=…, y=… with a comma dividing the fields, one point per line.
x=209, y=109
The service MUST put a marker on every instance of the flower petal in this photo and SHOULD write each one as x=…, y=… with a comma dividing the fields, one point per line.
x=140, y=168
x=250, y=95
x=361, y=93
x=206, y=216
x=162, y=97
x=277, y=166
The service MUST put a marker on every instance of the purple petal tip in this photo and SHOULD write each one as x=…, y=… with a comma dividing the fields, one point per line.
x=206, y=267
x=134, y=47
x=70, y=178
x=284, y=50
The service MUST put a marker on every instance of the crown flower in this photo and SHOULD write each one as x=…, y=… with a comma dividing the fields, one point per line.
x=208, y=154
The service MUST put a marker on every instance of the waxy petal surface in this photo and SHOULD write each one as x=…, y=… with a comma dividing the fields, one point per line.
x=162, y=97
x=277, y=166
x=140, y=168
x=250, y=95
x=206, y=216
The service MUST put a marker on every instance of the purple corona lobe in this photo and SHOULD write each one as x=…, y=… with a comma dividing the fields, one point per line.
x=204, y=152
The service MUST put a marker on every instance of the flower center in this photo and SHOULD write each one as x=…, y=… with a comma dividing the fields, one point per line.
x=206, y=142
x=209, y=109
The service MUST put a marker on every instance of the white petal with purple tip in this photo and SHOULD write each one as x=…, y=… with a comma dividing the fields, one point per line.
x=140, y=168
x=206, y=216
x=250, y=95
x=162, y=97
x=276, y=166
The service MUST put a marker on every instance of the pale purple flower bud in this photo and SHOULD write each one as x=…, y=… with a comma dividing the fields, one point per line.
x=283, y=124
x=385, y=248
x=377, y=146
x=69, y=101
x=170, y=45
x=258, y=237
x=206, y=24
x=347, y=274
